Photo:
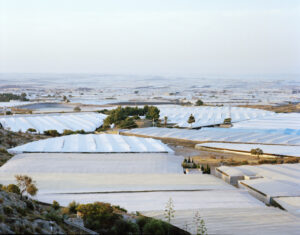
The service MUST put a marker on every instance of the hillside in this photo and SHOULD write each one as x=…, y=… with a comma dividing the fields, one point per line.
x=9, y=139
x=26, y=217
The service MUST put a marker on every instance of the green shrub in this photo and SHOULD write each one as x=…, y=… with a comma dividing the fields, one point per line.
x=80, y=131
x=156, y=227
x=257, y=152
x=98, y=215
x=3, y=150
x=29, y=204
x=54, y=215
x=227, y=121
x=68, y=132
x=31, y=130
x=21, y=211
x=199, y=102
x=128, y=123
x=206, y=170
x=38, y=230
x=125, y=227
x=73, y=207
x=7, y=210
x=291, y=160
x=12, y=188
x=52, y=133
x=55, y=205
x=77, y=109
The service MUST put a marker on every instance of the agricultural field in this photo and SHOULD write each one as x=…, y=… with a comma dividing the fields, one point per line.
x=94, y=143
x=229, y=135
x=209, y=115
x=268, y=182
x=279, y=150
x=60, y=122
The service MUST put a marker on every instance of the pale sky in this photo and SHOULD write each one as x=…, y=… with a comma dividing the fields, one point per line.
x=177, y=37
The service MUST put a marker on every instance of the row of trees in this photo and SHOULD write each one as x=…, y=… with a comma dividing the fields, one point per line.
x=6, y=97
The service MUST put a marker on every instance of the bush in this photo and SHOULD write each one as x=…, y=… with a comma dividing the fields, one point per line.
x=119, y=209
x=291, y=160
x=206, y=170
x=80, y=131
x=267, y=161
x=55, y=205
x=125, y=227
x=7, y=210
x=128, y=123
x=155, y=227
x=12, y=188
x=21, y=211
x=199, y=102
x=29, y=205
x=31, y=130
x=4, y=151
x=77, y=109
x=65, y=211
x=98, y=215
x=52, y=133
x=68, y=132
x=227, y=121
x=73, y=207
x=256, y=151
x=54, y=215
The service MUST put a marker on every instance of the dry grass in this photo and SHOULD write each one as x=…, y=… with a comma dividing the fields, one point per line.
x=288, y=108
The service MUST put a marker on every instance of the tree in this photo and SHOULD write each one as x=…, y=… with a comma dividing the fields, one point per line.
x=26, y=184
x=128, y=123
x=199, y=103
x=169, y=210
x=257, y=152
x=153, y=113
x=77, y=109
x=65, y=99
x=227, y=121
x=165, y=120
x=73, y=207
x=23, y=97
x=199, y=224
x=55, y=205
x=191, y=120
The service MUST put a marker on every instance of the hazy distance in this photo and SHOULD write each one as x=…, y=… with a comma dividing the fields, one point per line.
x=168, y=37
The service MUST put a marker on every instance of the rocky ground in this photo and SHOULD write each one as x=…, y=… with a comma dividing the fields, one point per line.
x=9, y=139
x=25, y=216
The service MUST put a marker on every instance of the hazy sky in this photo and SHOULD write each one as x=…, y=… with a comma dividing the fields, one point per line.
x=150, y=36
